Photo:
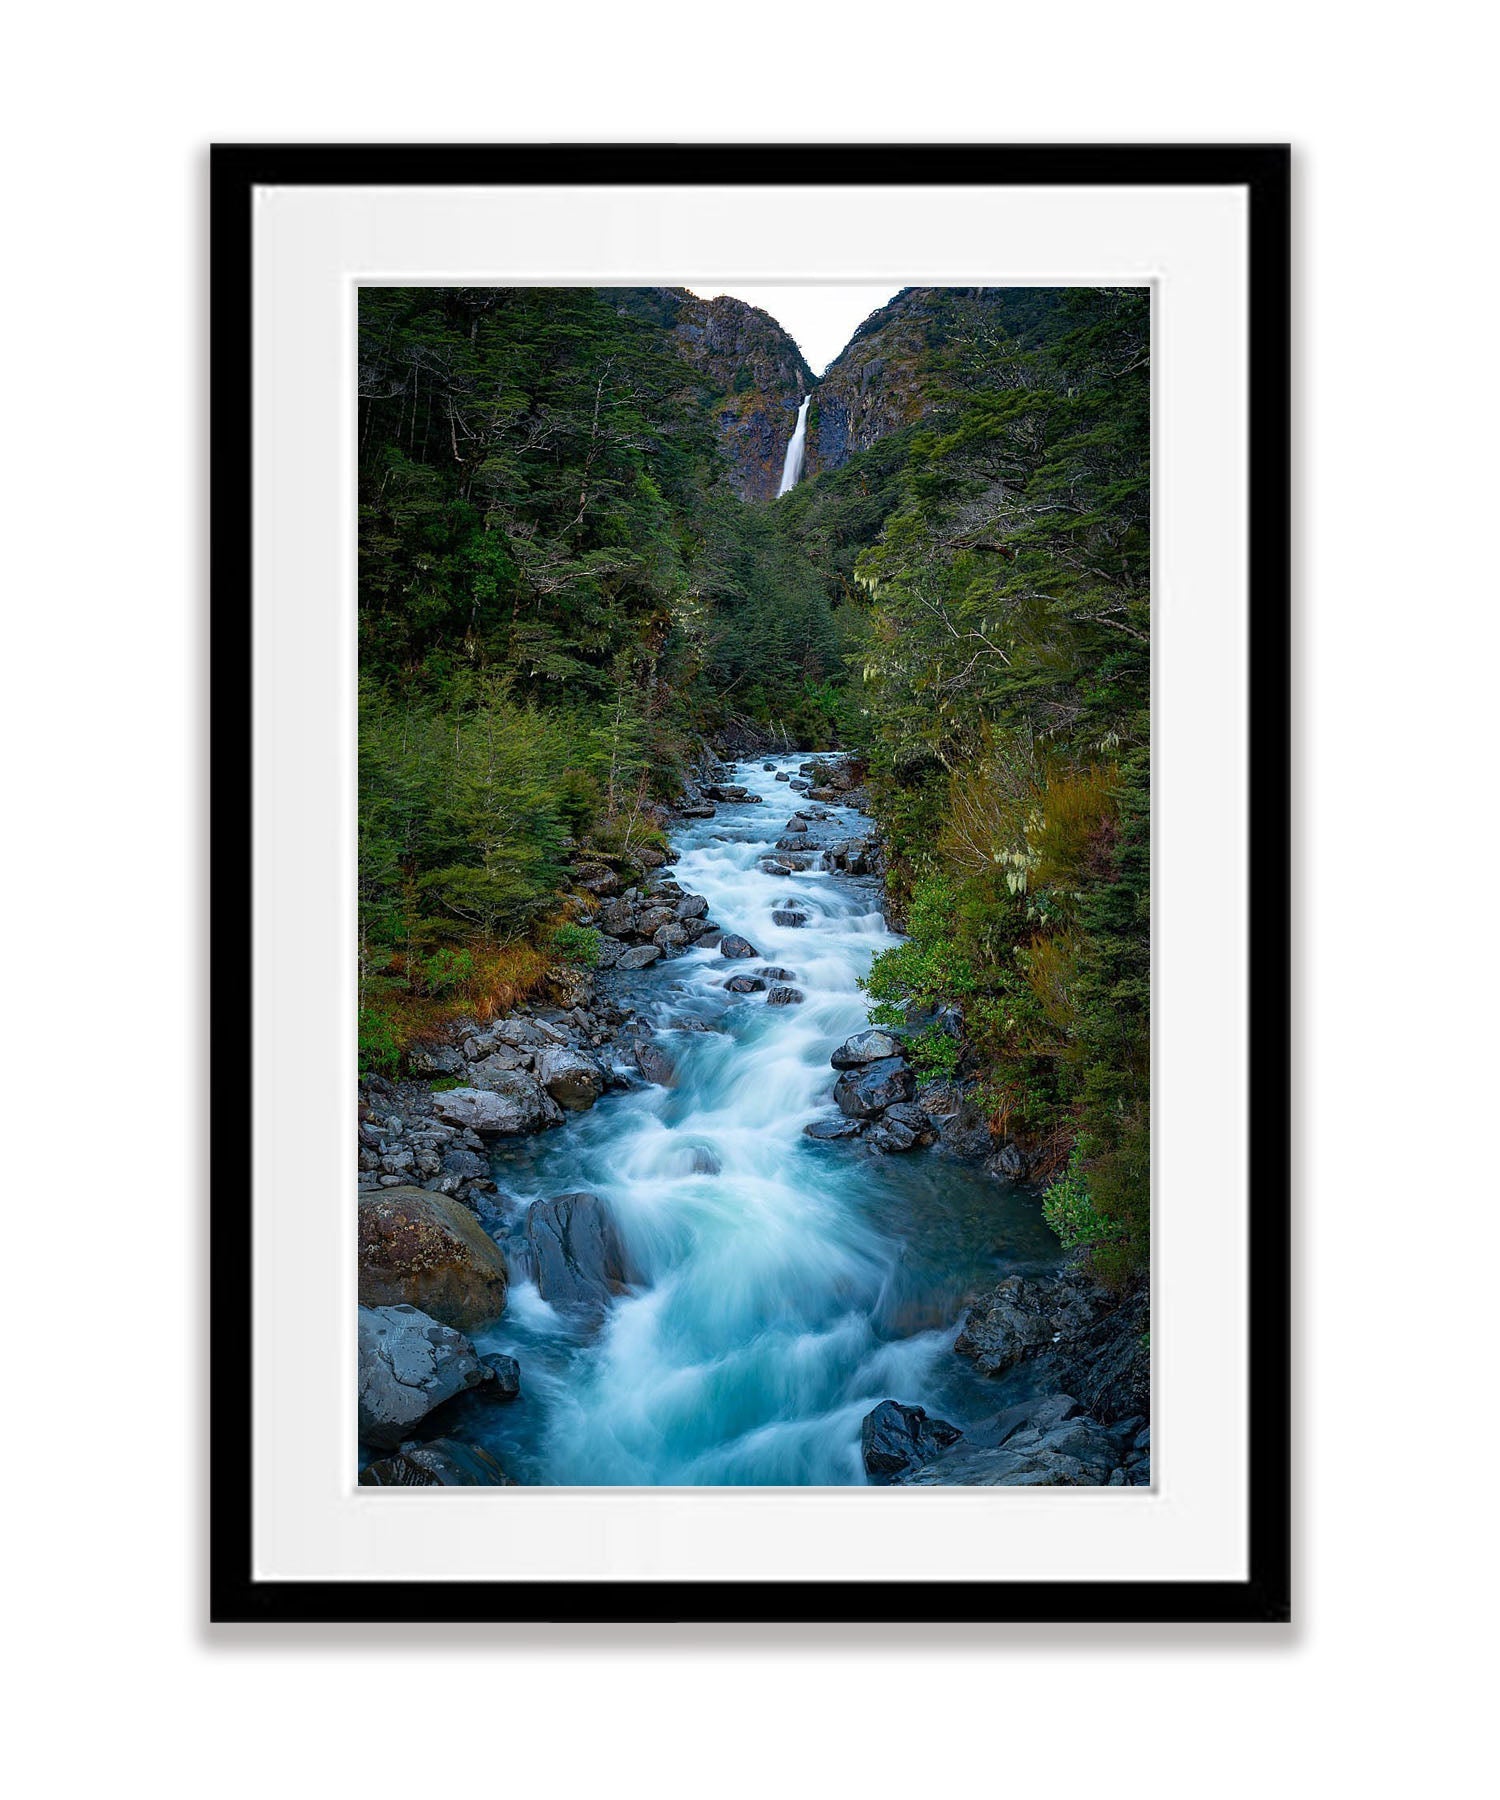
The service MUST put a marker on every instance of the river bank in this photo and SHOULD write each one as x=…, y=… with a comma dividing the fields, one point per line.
x=685, y=1229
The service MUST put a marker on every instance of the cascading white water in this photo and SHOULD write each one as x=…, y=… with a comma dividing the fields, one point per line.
x=791, y=469
x=789, y=1285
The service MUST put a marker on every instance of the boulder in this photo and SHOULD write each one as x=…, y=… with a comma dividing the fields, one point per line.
x=427, y=1250
x=576, y=1251
x=744, y=984
x=796, y=823
x=655, y=1064
x=865, y=1093
x=505, y=1378
x=773, y=973
x=1047, y=1443
x=788, y=918
x=769, y=865
x=1009, y=1163
x=896, y=1439
x=691, y=906
x=781, y=775
x=571, y=1077
x=443, y=1463
x=1022, y=1317
x=641, y=957
x=672, y=939
x=865, y=1047
x=784, y=996
x=408, y=1364
x=825, y=1129
x=735, y=947
x=903, y=1126
x=435, y=1059
x=510, y=1103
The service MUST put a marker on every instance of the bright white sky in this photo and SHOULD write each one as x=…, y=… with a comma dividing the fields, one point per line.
x=821, y=316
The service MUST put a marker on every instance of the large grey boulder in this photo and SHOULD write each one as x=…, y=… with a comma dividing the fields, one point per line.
x=864, y=1093
x=641, y=957
x=510, y=1104
x=576, y=1251
x=895, y=1439
x=655, y=1063
x=864, y=1047
x=735, y=947
x=425, y=1249
x=571, y=1077
x=1050, y=1443
x=408, y=1364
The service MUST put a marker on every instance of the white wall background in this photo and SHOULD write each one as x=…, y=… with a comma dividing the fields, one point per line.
x=1377, y=1689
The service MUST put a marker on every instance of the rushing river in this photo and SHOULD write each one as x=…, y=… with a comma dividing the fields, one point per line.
x=790, y=1285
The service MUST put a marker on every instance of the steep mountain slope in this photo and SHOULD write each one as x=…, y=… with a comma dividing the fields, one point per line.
x=901, y=362
x=756, y=372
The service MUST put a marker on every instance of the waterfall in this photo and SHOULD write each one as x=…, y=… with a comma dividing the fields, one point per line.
x=791, y=471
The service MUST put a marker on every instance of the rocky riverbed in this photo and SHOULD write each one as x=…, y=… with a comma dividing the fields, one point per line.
x=704, y=1300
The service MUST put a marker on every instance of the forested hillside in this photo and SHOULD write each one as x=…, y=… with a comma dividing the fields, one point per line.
x=562, y=593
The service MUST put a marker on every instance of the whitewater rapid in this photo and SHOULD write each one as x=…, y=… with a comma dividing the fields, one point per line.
x=788, y=1285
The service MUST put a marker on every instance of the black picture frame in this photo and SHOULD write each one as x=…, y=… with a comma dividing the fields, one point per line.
x=1263, y=171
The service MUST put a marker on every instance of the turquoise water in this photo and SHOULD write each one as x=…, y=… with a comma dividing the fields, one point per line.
x=798, y=1284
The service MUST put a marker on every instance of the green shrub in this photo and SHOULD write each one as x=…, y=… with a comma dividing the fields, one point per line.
x=577, y=944
x=1068, y=1208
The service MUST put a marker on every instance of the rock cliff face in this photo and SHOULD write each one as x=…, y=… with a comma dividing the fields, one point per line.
x=894, y=369
x=756, y=373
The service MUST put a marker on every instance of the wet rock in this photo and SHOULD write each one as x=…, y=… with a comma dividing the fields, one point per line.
x=576, y=1251
x=785, y=996
x=796, y=824
x=1022, y=1317
x=443, y=1463
x=408, y=1364
x=790, y=843
x=1009, y=1163
x=744, y=984
x=467, y=1165
x=788, y=918
x=864, y=1047
x=895, y=1439
x=710, y=937
x=903, y=1126
x=732, y=945
x=426, y=1250
x=655, y=1064
x=781, y=775
x=672, y=939
x=1053, y=1443
x=641, y=957
x=865, y=1093
x=572, y=1077
x=505, y=1377
x=501, y=1103
x=691, y=906
x=770, y=865
x=773, y=973
x=825, y=1130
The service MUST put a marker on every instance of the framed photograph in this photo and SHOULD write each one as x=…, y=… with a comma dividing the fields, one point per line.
x=750, y=684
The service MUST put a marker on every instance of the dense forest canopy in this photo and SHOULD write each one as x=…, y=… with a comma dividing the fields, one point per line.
x=562, y=596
